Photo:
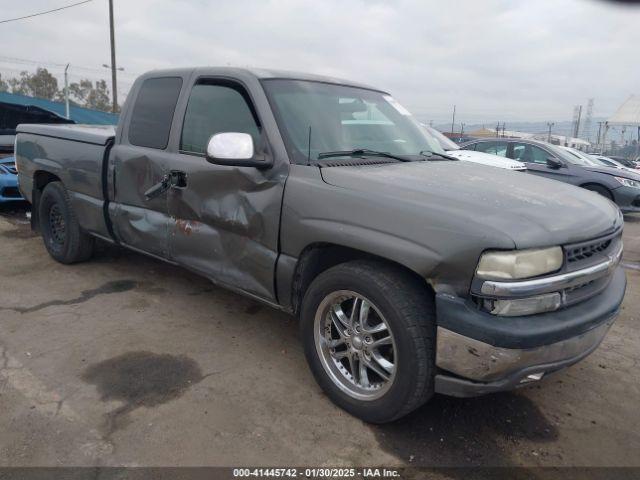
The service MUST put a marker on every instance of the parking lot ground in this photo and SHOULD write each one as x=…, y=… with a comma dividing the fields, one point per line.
x=124, y=360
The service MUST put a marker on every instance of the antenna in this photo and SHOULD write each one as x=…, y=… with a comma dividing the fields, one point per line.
x=309, y=148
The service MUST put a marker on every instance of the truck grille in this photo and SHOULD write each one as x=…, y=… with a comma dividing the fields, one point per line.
x=583, y=254
x=587, y=251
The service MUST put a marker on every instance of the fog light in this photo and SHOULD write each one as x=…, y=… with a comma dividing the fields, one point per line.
x=525, y=306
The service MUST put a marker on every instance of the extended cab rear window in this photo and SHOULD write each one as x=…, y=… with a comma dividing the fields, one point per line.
x=153, y=112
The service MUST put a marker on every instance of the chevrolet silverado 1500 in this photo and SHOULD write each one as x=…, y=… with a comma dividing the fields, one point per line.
x=411, y=272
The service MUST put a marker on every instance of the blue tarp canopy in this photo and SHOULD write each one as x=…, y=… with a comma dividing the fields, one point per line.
x=77, y=114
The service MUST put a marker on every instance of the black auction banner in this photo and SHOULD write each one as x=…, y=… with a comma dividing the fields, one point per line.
x=214, y=473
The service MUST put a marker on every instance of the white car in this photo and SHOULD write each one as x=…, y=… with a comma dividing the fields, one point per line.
x=454, y=150
x=610, y=162
x=596, y=161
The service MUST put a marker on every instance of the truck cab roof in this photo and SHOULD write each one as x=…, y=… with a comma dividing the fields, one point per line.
x=257, y=73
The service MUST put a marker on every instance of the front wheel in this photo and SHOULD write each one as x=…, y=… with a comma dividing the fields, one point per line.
x=369, y=336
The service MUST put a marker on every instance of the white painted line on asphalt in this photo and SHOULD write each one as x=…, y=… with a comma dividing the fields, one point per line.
x=48, y=402
x=45, y=401
x=631, y=266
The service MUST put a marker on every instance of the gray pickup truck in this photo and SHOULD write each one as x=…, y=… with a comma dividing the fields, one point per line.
x=411, y=272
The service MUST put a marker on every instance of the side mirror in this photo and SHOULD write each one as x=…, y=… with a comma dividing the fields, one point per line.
x=234, y=149
x=554, y=163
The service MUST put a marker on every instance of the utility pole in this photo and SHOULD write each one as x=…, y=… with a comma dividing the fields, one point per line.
x=461, y=131
x=504, y=127
x=114, y=80
x=550, y=125
x=453, y=119
x=66, y=92
x=498, y=130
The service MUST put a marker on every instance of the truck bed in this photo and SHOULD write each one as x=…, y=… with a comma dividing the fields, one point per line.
x=93, y=134
x=76, y=155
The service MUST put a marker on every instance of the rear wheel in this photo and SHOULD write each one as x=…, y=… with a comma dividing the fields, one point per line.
x=63, y=238
x=369, y=337
x=604, y=191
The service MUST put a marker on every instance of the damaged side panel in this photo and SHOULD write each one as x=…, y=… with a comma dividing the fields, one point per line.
x=140, y=222
x=224, y=224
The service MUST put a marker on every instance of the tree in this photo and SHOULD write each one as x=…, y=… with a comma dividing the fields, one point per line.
x=40, y=84
x=87, y=95
x=44, y=85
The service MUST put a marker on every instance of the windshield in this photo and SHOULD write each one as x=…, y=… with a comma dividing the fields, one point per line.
x=445, y=142
x=343, y=119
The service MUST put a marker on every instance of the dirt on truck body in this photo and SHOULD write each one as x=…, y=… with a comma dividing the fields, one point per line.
x=411, y=272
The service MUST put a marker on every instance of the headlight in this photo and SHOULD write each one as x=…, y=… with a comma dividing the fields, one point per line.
x=627, y=182
x=518, y=264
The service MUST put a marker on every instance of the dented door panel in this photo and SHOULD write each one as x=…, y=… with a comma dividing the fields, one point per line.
x=140, y=222
x=224, y=223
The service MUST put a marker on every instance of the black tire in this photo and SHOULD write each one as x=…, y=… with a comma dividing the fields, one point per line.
x=599, y=189
x=409, y=310
x=63, y=238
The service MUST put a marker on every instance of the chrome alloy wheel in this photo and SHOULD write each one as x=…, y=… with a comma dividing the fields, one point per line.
x=355, y=345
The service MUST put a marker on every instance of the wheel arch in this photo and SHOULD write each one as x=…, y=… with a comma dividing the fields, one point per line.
x=318, y=257
x=41, y=178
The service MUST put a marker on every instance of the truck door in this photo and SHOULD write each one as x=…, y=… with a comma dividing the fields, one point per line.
x=139, y=160
x=224, y=220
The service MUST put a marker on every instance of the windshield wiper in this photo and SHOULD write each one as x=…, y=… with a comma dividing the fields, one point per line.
x=429, y=153
x=361, y=152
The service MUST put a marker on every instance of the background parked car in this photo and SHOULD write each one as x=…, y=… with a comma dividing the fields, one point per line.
x=625, y=161
x=8, y=175
x=610, y=162
x=9, y=180
x=551, y=161
x=7, y=139
x=454, y=150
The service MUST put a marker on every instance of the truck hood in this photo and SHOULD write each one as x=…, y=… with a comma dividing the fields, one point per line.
x=530, y=210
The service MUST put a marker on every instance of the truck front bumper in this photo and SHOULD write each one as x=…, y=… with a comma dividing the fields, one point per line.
x=479, y=353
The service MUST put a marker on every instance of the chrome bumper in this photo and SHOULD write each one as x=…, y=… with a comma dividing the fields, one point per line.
x=553, y=283
x=481, y=362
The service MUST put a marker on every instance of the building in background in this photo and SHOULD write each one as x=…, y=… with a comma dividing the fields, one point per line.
x=626, y=119
x=15, y=107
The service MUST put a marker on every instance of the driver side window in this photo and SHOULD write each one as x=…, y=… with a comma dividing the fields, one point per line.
x=216, y=108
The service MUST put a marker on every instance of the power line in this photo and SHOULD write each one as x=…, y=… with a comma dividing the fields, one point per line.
x=25, y=61
x=44, y=13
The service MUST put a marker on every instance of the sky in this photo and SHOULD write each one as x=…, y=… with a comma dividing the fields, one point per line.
x=496, y=60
